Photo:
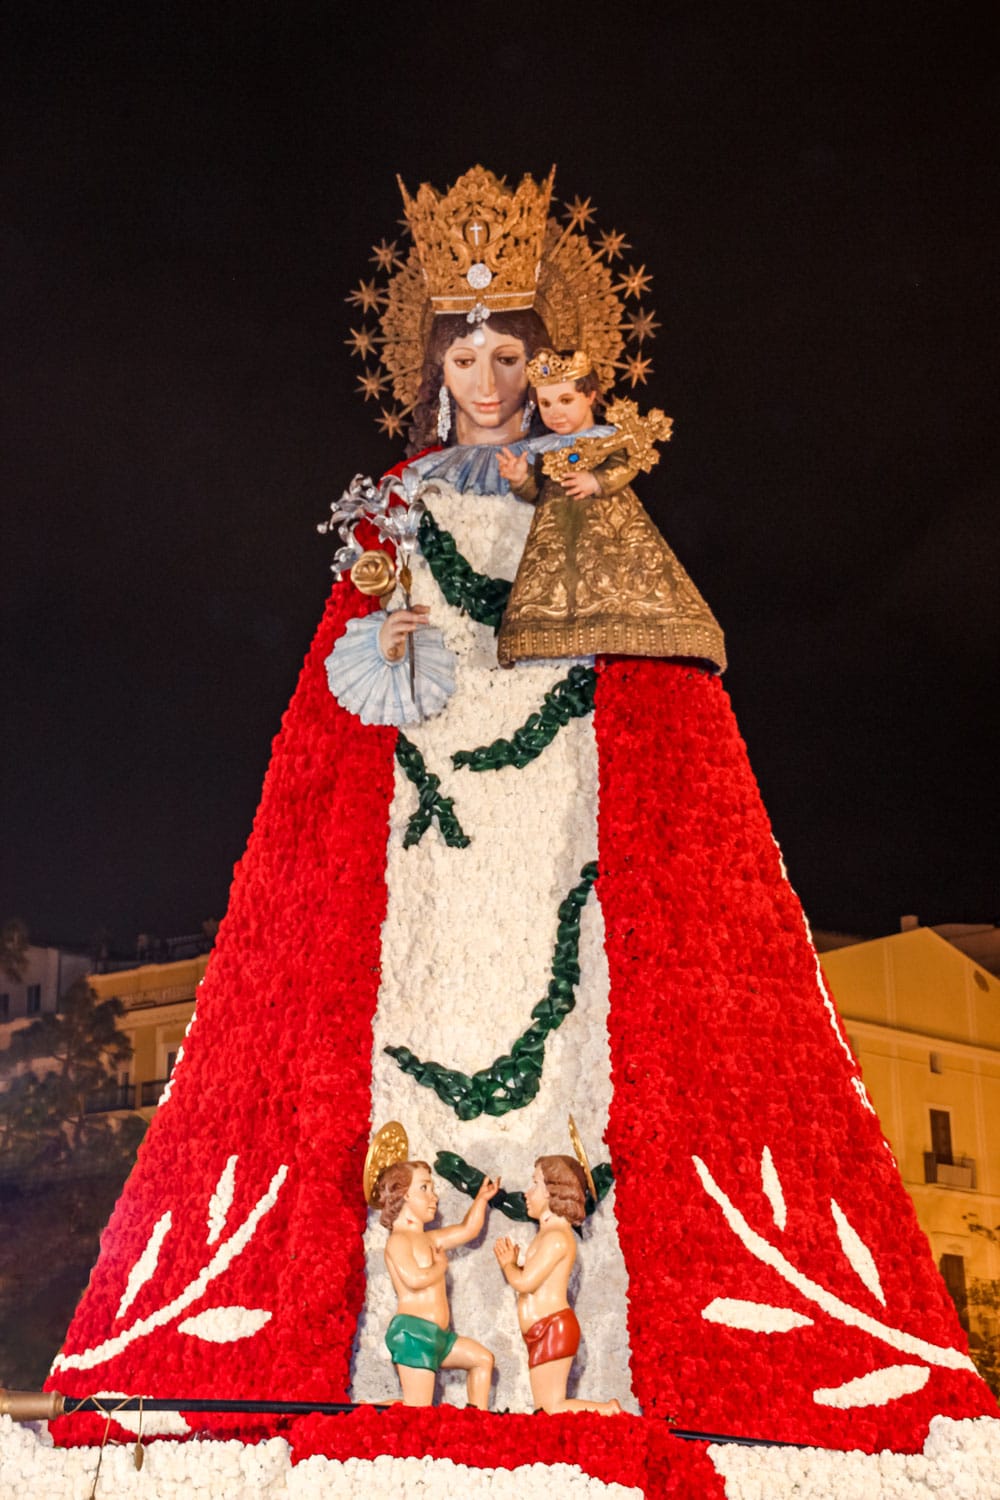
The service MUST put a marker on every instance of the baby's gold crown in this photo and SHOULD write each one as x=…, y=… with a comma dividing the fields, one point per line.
x=480, y=243
x=550, y=368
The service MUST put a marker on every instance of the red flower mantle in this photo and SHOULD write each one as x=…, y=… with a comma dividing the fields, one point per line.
x=720, y=1045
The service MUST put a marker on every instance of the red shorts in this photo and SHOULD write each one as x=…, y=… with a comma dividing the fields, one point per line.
x=554, y=1337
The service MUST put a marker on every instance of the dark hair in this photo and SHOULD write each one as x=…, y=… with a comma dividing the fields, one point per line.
x=526, y=325
x=392, y=1187
x=566, y=1186
x=586, y=383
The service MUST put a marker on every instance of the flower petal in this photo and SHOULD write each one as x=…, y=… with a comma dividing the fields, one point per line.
x=857, y=1252
x=758, y=1317
x=145, y=1265
x=876, y=1388
x=224, y=1325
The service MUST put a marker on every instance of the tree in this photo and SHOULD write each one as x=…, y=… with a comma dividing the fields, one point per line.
x=984, y=1298
x=62, y=1169
x=13, y=948
x=50, y=1073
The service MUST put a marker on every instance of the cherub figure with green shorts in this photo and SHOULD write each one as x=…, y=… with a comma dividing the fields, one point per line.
x=419, y=1337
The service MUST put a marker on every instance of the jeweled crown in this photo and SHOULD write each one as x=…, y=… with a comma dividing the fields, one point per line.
x=480, y=243
x=550, y=368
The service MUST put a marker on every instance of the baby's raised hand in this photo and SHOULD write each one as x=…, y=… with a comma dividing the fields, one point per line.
x=488, y=1188
x=512, y=466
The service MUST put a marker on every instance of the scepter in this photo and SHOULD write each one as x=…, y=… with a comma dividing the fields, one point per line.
x=398, y=523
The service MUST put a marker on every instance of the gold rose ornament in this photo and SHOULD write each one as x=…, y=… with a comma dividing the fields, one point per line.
x=374, y=573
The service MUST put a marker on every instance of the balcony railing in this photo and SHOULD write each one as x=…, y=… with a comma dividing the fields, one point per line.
x=118, y=1096
x=152, y=1090
x=957, y=1172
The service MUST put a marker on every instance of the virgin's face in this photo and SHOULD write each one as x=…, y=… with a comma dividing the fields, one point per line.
x=489, y=384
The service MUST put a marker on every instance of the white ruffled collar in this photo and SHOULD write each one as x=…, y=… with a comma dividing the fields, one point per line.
x=473, y=467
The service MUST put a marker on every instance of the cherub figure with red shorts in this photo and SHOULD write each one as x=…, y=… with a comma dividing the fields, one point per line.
x=549, y=1327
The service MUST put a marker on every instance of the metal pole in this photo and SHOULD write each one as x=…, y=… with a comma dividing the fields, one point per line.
x=38, y=1406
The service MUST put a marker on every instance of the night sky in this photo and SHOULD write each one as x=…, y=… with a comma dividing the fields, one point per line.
x=188, y=197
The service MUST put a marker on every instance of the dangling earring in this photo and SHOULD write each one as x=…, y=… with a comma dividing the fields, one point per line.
x=527, y=414
x=444, y=412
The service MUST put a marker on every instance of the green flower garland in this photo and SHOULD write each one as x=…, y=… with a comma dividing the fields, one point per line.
x=481, y=597
x=430, y=803
x=571, y=698
x=467, y=1179
x=512, y=1081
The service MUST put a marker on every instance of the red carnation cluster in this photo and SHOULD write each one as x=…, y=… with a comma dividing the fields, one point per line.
x=276, y=1071
x=626, y=1450
x=722, y=1045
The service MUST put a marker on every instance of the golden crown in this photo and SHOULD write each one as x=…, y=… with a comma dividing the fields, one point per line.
x=583, y=302
x=481, y=241
x=550, y=368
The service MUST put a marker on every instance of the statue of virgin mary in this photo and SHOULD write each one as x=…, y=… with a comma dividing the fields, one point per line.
x=480, y=900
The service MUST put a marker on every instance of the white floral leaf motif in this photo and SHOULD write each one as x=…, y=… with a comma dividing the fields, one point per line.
x=756, y=1317
x=145, y=1265
x=876, y=1388
x=224, y=1325
x=152, y=1423
x=220, y=1262
x=857, y=1252
x=221, y=1200
x=771, y=1183
x=834, y=1306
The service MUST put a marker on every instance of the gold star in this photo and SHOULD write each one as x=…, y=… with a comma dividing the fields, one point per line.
x=612, y=244
x=367, y=296
x=634, y=282
x=371, y=384
x=636, y=367
x=580, y=213
x=361, y=341
x=384, y=255
x=642, y=326
x=391, y=423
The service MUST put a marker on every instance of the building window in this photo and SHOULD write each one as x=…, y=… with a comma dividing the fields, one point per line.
x=935, y=1061
x=953, y=1272
x=34, y=999
x=4, y=1007
x=941, y=1136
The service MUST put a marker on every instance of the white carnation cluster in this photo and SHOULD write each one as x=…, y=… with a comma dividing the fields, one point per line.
x=467, y=949
x=960, y=1461
x=31, y=1467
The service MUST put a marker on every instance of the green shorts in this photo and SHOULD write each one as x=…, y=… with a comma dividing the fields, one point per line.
x=417, y=1343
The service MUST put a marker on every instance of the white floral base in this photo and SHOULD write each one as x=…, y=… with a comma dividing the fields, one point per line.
x=960, y=1461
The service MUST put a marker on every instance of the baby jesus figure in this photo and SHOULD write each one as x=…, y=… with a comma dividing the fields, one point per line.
x=596, y=575
x=549, y=1326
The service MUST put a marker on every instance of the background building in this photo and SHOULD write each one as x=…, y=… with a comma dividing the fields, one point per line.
x=159, y=1001
x=47, y=974
x=924, y=1020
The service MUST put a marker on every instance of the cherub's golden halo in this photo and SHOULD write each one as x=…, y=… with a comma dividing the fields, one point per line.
x=582, y=1158
x=389, y=1145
